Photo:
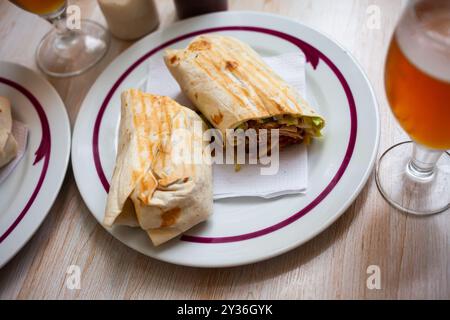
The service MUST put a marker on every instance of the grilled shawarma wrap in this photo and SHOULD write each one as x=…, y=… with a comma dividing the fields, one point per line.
x=8, y=144
x=234, y=88
x=150, y=188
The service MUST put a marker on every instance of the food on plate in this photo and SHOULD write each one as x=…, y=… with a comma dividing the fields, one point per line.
x=235, y=89
x=152, y=186
x=8, y=144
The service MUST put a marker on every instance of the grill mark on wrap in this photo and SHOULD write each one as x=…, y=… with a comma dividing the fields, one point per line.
x=252, y=96
x=146, y=141
x=146, y=181
x=184, y=167
x=219, y=80
x=257, y=94
x=165, y=136
x=255, y=59
x=170, y=217
x=247, y=66
x=132, y=103
x=287, y=91
x=156, y=145
x=254, y=66
x=217, y=58
x=159, y=125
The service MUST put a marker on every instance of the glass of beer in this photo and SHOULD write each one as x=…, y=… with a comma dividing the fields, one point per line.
x=71, y=47
x=414, y=176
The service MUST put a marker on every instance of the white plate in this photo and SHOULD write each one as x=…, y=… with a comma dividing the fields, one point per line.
x=242, y=230
x=30, y=190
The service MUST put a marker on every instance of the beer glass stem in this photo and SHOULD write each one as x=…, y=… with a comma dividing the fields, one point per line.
x=58, y=22
x=70, y=50
x=421, y=167
x=65, y=36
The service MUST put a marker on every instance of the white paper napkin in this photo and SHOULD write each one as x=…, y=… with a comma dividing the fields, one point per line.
x=291, y=178
x=20, y=133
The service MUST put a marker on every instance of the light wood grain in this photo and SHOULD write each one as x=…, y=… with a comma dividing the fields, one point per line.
x=413, y=253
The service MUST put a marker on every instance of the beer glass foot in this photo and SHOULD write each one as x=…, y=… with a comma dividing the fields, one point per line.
x=67, y=52
x=409, y=188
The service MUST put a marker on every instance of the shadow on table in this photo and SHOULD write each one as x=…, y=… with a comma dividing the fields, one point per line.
x=408, y=255
x=195, y=282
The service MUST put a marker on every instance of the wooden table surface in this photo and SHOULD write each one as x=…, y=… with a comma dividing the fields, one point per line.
x=412, y=253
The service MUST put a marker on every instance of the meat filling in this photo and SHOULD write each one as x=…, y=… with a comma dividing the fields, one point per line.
x=287, y=134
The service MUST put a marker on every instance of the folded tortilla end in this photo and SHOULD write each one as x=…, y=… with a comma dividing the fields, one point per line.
x=8, y=149
x=171, y=56
x=160, y=236
x=108, y=221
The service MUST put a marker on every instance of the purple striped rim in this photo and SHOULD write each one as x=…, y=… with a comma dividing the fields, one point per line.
x=313, y=56
x=43, y=152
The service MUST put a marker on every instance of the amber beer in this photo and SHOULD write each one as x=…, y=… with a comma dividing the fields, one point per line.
x=40, y=7
x=417, y=74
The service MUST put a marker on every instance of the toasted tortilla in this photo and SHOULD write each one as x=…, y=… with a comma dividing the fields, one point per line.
x=232, y=86
x=8, y=144
x=151, y=187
